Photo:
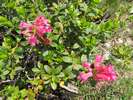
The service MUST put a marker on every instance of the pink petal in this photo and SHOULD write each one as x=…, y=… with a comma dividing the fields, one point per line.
x=83, y=77
x=113, y=77
x=40, y=20
x=23, y=25
x=32, y=28
x=41, y=30
x=85, y=64
x=102, y=77
x=32, y=40
x=48, y=28
x=106, y=73
x=90, y=74
x=98, y=60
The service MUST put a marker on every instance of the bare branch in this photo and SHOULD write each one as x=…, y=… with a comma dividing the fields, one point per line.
x=6, y=81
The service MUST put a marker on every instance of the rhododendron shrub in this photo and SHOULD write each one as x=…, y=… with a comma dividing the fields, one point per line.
x=57, y=38
x=97, y=70
x=36, y=32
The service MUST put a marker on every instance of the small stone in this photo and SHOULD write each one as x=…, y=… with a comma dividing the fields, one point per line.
x=108, y=45
x=106, y=55
x=120, y=41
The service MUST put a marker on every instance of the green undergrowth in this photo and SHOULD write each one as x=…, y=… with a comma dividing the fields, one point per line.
x=79, y=27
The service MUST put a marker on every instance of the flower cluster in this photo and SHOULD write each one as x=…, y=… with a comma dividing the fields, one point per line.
x=35, y=32
x=97, y=71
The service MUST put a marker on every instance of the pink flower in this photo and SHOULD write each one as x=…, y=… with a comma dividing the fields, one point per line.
x=43, y=29
x=48, y=28
x=23, y=25
x=98, y=60
x=31, y=28
x=105, y=73
x=32, y=40
x=86, y=65
x=42, y=25
x=98, y=71
x=83, y=77
x=102, y=77
x=112, y=72
x=40, y=20
x=39, y=27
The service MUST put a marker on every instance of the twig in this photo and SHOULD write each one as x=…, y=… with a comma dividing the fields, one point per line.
x=6, y=81
x=69, y=88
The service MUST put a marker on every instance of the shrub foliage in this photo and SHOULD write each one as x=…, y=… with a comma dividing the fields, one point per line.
x=78, y=27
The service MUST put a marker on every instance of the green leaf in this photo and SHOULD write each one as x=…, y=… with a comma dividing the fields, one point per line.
x=76, y=46
x=47, y=69
x=57, y=70
x=61, y=75
x=3, y=19
x=54, y=86
x=47, y=82
x=3, y=56
x=83, y=58
x=72, y=76
x=55, y=79
x=97, y=1
x=67, y=59
x=20, y=11
x=6, y=72
x=12, y=74
x=3, y=53
x=68, y=70
x=131, y=10
x=23, y=93
x=31, y=94
x=35, y=82
x=55, y=5
x=45, y=53
x=18, y=68
x=36, y=70
x=19, y=50
x=11, y=5
x=46, y=76
x=77, y=67
x=4, y=22
x=39, y=65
